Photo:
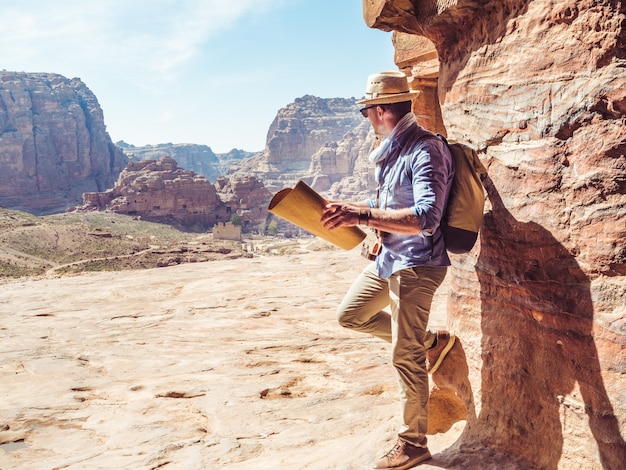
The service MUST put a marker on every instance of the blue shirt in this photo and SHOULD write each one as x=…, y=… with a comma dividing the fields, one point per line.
x=417, y=173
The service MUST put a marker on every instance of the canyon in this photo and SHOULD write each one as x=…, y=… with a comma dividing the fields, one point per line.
x=58, y=156
x=539, y=305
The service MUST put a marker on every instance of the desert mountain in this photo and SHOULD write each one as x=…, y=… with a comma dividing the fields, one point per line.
x=53, y=143
x=313, y=139
x=321, y=141
x=55, y=149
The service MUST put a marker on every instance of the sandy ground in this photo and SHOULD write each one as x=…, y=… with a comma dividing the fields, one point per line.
x=234, y=364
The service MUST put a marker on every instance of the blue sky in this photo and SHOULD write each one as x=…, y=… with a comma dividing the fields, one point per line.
x=211, y=72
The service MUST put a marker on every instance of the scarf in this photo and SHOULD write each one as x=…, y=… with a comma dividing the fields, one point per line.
x=382, y=151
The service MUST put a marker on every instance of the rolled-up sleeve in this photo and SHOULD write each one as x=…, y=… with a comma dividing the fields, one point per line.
x=432, y=170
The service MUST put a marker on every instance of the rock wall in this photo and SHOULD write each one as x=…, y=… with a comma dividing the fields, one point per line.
x=341, y=169
x=53, y=143
x=539, y=87
x=300, y=130
x=159, y=191
x=247, y=197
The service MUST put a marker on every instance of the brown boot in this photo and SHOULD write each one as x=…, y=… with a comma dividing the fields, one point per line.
x=402, y=456
x=437, y=353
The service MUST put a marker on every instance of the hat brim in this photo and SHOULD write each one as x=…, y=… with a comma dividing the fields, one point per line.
x=390, y=99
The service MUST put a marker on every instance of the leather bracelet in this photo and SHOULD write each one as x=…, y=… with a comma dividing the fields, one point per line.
x=367, y=213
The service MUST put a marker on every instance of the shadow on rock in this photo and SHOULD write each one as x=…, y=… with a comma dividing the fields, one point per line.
x=540, y=367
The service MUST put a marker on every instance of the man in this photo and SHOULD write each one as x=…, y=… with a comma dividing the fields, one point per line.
x=414, y=171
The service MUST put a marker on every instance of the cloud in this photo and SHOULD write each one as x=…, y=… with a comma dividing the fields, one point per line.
x=201, y=71
x=150, y=38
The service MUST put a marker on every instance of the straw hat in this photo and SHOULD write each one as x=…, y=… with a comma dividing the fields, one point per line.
x=386, y=88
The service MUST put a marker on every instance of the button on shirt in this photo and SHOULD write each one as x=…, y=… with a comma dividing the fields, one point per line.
x=418, y=174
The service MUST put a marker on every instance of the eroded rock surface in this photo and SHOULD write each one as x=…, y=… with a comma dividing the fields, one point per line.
x=53, y=143
x=236, y=364
x=302, y=143
x=159, y=191
x=539, y=88
x=246, y=196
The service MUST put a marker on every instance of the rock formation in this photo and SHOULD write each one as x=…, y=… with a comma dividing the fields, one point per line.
x=324, y=142
x=245, y=196
x=159, y=191
x=54, y=148
x=197, y=158
x=341, y=170
x=539, y=87
x=53, y=143
x=300, y=130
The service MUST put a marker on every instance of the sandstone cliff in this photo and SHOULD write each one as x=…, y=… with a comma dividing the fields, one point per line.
x=245, y=196
x=540, y=88
x=341, y=170
x=53, y=143
x=302, y=129
x=159, y=191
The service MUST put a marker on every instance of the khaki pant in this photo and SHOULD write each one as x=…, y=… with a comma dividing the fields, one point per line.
x=409, y=294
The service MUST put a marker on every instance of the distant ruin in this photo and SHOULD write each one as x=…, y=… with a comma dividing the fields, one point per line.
x=227, y=231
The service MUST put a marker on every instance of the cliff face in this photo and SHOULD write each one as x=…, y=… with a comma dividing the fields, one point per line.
x=53, y=143
x=247, y=197
x=159, y=191
x=302, y=127
x=341, y=170
x=302, y=143
x=539, y=87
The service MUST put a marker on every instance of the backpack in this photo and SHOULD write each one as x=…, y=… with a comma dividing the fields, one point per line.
x=463, y=215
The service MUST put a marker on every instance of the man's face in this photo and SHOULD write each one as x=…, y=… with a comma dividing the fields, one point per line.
x=374, y=114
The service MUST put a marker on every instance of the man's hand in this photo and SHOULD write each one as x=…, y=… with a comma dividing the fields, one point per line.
x=346, y=214
x=338, y=214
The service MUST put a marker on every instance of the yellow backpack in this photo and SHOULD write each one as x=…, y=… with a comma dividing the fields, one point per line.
x=463, y=215
x=466, y=203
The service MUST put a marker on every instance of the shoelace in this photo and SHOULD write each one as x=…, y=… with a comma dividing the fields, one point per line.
x=397, y=449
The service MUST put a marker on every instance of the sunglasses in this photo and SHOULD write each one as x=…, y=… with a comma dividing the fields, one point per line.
x=364, y=112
